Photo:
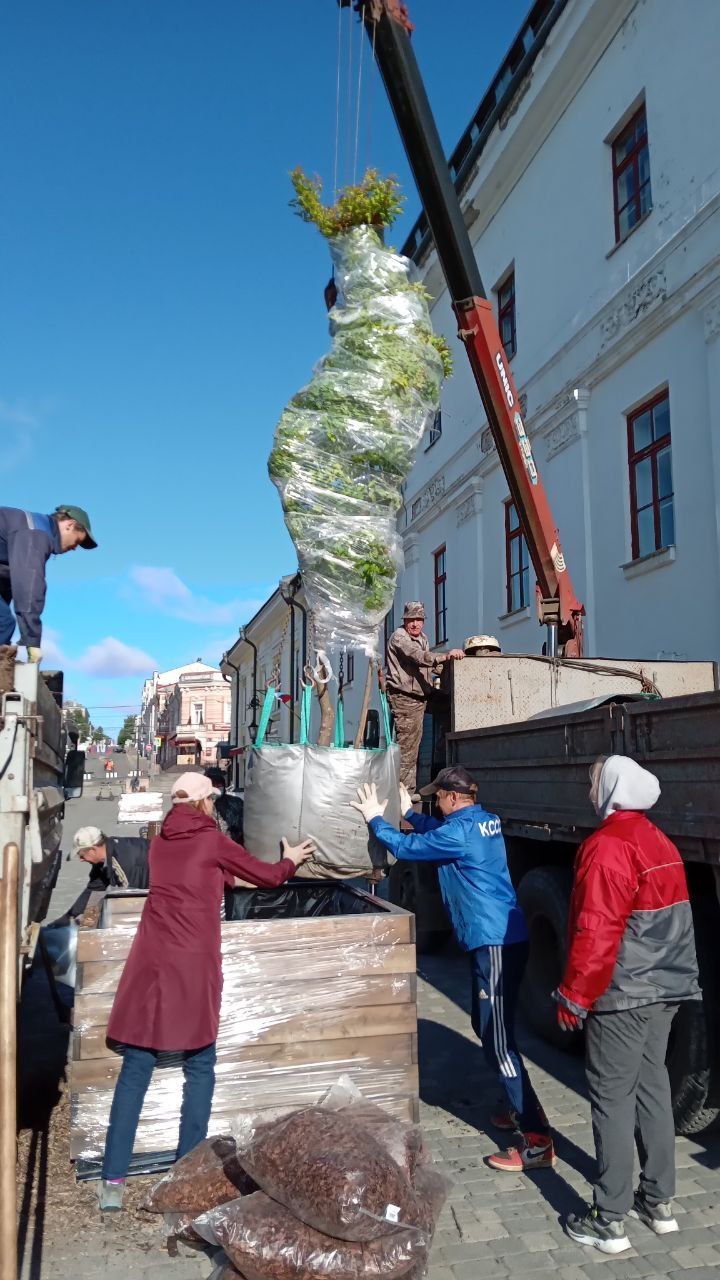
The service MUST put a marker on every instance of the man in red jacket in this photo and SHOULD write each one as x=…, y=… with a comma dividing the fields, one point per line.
x=631, y=961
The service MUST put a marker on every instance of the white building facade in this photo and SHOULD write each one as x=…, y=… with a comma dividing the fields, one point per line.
x=593, y=205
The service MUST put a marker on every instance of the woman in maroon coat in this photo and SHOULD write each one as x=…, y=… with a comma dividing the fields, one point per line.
x=169, y=993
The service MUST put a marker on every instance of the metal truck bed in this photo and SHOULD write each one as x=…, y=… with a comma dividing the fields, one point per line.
x=534, y=773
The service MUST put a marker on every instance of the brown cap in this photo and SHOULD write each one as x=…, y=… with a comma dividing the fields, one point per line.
x=454, y=778
x=414, y=610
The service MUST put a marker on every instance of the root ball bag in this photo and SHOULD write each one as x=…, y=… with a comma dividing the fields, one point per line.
x=304, y=792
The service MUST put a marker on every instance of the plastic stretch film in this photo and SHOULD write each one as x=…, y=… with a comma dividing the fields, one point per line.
x=346, y=442
x=306, y=998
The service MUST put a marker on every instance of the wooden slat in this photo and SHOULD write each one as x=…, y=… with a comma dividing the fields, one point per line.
x=255, y=938
x=348, y=992
x=315, y=1024
x=343, y=1055
x=96, y=977
x=88, y=1138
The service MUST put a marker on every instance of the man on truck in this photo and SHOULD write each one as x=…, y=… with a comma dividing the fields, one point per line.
x=631, y=961
x=410, y=667
x=468, y=849
x=27, y=540
x=116, y=862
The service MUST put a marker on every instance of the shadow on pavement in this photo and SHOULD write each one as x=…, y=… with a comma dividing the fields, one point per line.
x=43, y=1045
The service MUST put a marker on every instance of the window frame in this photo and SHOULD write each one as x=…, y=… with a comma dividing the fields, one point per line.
x=635, y=457
x=507, y=309
x=632, y=160
x=434, y=431
x=511, y=536
x=440, y=588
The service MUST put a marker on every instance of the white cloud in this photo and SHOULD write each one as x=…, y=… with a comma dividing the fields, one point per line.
x=53, y=656
x=111, y=658
x=162, y=589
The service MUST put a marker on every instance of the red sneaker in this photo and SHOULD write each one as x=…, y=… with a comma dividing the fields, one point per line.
x=536, y=1152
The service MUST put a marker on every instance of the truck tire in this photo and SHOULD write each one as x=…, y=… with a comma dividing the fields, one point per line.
x=544, y=895
x=687, y=1061
x=695, y=1038
x=403, y=892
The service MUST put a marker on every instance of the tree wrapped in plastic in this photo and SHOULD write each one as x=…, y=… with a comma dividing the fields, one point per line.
x=345, y=443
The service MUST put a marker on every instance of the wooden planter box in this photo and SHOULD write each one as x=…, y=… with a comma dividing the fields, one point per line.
x=305, y=1000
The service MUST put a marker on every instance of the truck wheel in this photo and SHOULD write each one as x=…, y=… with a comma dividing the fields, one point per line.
x=402, y=892
x=687, y=1063
x=544, y=895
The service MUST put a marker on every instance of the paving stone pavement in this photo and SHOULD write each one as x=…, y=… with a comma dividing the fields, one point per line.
x=494, y=1225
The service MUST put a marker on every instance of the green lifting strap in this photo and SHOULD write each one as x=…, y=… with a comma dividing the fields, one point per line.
x=339, y=724
x=305, y=714
x=386, y=718
x=265, y=715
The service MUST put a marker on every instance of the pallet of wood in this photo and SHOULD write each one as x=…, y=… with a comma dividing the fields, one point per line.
x=306, y=998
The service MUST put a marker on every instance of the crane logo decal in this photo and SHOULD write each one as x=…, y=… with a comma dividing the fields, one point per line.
x=505, y=380
x=526, y=449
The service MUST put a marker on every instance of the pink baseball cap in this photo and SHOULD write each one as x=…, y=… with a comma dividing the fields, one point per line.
x=195, y=787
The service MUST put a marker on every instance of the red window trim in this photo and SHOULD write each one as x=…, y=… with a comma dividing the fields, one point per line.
x=634, y=457
x=629, y=160
x=507, y=309
x=512, y=535
x=440, y=580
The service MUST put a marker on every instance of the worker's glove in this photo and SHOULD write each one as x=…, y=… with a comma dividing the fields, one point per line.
x=405, y=800
x=367, y=802
x=298, y=853
x=568, y=1021
x=34, y=655
x=570, y=1017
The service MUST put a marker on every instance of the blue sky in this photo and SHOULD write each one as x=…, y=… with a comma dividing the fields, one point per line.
x=160, y=303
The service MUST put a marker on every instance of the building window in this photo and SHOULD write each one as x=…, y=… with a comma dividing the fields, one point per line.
x=434, y=431
x=506, y=315
x=652, y=511
x=389, y=626
x=517, y=561
x=631, y=175
x=197, y=713
x=440, y=596
x=349, y=667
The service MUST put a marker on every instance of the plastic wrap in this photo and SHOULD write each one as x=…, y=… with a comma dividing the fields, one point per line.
x=207, y=1176
x=403, y=1142
x=318, y=981
x=305, y=793
x=332, y=1174
x=264, y=1241
x=346, y=442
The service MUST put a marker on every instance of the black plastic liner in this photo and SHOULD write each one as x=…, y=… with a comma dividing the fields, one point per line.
x=299, y=901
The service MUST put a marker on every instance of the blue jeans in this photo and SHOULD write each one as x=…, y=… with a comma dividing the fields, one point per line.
x=130, y=1090
x=496, y=976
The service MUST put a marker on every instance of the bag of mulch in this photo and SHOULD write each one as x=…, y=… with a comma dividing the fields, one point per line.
x=209, y=1175
x=402, y=1141
x=331, y=1173
x=264, y=1241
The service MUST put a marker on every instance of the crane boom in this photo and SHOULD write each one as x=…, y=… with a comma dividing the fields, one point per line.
x=559, y=609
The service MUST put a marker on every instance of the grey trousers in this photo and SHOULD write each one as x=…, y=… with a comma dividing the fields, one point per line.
x=630, y=1101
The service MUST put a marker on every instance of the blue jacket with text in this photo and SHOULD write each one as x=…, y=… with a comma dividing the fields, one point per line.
x=475, y=884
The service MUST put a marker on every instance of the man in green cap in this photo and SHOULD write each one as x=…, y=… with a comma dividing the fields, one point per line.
x=27, y=540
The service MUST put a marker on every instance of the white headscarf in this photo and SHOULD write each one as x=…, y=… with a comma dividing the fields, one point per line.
x=624, y=784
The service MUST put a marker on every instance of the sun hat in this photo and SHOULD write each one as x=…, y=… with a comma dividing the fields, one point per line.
x=195, y=786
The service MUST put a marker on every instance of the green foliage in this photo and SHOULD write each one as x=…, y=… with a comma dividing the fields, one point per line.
x=374, y=202
x=127, y=733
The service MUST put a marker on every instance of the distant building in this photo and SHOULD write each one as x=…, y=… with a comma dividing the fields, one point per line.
x=184, y=714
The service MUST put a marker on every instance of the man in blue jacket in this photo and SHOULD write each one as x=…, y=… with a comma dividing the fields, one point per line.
x=468, y=847
x=27, y=540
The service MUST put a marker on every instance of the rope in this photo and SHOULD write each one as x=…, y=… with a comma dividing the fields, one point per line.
x=371, y=103
x=349, y=101
x=359, y=92
x=337, y=105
